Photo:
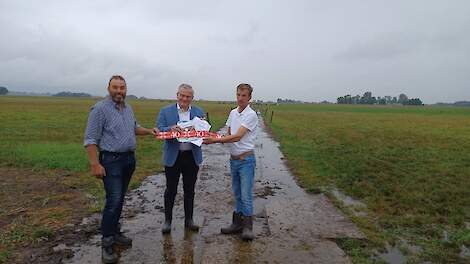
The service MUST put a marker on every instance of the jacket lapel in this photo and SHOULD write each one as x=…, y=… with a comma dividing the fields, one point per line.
x=191, y=113
x=175, y=114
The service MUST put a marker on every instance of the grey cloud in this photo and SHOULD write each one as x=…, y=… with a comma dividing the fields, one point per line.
x=307, y=50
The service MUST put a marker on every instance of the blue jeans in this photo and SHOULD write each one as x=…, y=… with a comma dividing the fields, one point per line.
x=243, y=175
x=119, y=168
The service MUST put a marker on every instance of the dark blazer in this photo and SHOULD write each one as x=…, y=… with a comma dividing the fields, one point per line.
x=167, y=118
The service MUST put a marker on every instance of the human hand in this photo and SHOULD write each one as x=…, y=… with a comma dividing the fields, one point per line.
x=176, y=128
x=98, y=171
x=155, y=131
x=208, y=141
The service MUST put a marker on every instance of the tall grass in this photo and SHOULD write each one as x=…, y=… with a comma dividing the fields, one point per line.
x=410, y=165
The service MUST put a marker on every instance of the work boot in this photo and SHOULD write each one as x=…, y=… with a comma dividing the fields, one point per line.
x=235, y=227
x=107, y=251
x=190, y=225
x=120, y=239
x=247, y=232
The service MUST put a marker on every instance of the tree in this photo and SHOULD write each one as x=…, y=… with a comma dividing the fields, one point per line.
x=3, y=90
x=367, y=98
x=356, y=99
x=414, y=101
x=340, y=100
x=70, y=94
x=402, y=98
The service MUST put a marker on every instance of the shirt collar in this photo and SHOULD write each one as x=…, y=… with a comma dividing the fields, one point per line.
x=244, y=110
x=181, y=109
x=110, y=101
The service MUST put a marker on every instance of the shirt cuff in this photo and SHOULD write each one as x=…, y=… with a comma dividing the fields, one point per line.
x=89, y=142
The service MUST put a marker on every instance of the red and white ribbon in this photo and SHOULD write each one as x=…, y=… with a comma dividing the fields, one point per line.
x=187, y=134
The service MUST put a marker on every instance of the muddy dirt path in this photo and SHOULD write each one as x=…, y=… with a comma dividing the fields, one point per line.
x=291, y=226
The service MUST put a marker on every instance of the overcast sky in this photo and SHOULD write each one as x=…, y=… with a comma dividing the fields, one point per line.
x=304, y=50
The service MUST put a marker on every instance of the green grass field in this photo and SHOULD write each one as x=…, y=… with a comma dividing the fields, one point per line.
x=409, y=165
x=45, y=135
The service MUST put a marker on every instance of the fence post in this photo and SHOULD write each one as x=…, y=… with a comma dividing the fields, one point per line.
x=272, y=113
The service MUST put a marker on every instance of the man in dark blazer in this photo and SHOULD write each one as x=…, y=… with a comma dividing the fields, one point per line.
x=180, y=157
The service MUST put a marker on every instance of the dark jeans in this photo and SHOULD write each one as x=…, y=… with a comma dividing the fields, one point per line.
x=119, y=168
x=185, y=165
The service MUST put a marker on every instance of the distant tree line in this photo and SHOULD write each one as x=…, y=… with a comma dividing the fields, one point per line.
x=288, y=101
x=3, y=90
x=367, y=98
x=70, y=94
x=458, y=103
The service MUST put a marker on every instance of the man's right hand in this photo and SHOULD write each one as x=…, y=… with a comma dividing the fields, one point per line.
x=98, y=171
x=176, y=128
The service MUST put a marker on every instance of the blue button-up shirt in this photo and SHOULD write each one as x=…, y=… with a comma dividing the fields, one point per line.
x=111, y=129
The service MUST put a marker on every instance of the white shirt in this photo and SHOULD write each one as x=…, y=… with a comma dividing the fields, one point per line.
x=184, y=116
x=249, y=120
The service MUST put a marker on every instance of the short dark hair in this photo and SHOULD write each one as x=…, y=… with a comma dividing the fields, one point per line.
x=116, y=77
x=245, y=86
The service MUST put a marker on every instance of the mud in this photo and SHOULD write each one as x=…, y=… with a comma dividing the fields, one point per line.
x=290, y=225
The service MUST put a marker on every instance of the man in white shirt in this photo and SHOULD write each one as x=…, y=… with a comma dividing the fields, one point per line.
x=242, y=123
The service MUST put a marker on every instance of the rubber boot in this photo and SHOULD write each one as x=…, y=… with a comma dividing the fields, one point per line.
x=190, y=225
x=166, y=229
x=235, y=227
x=188, y=213
x=247, y=232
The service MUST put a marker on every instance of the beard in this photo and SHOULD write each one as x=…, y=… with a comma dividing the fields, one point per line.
x=118, y=98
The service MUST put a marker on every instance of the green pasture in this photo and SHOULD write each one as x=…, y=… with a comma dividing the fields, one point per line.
x=45, y=134
x=409, y=165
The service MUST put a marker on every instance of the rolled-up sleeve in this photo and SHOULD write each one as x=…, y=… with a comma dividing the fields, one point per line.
x=136, y=124
x=94, y=129
x=250, y=121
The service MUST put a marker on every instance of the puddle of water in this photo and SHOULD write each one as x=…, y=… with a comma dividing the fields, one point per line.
x=392, y=255
x=347, y=200
x=464, y=252
x=357, y=207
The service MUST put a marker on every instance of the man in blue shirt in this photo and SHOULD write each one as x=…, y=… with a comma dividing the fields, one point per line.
x=111, y=130
x=180, y=157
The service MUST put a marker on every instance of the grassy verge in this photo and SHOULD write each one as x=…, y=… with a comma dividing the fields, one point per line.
x=409, y=165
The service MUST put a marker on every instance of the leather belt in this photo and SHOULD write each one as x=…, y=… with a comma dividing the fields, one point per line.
x=115, y=154
x=242, y=156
